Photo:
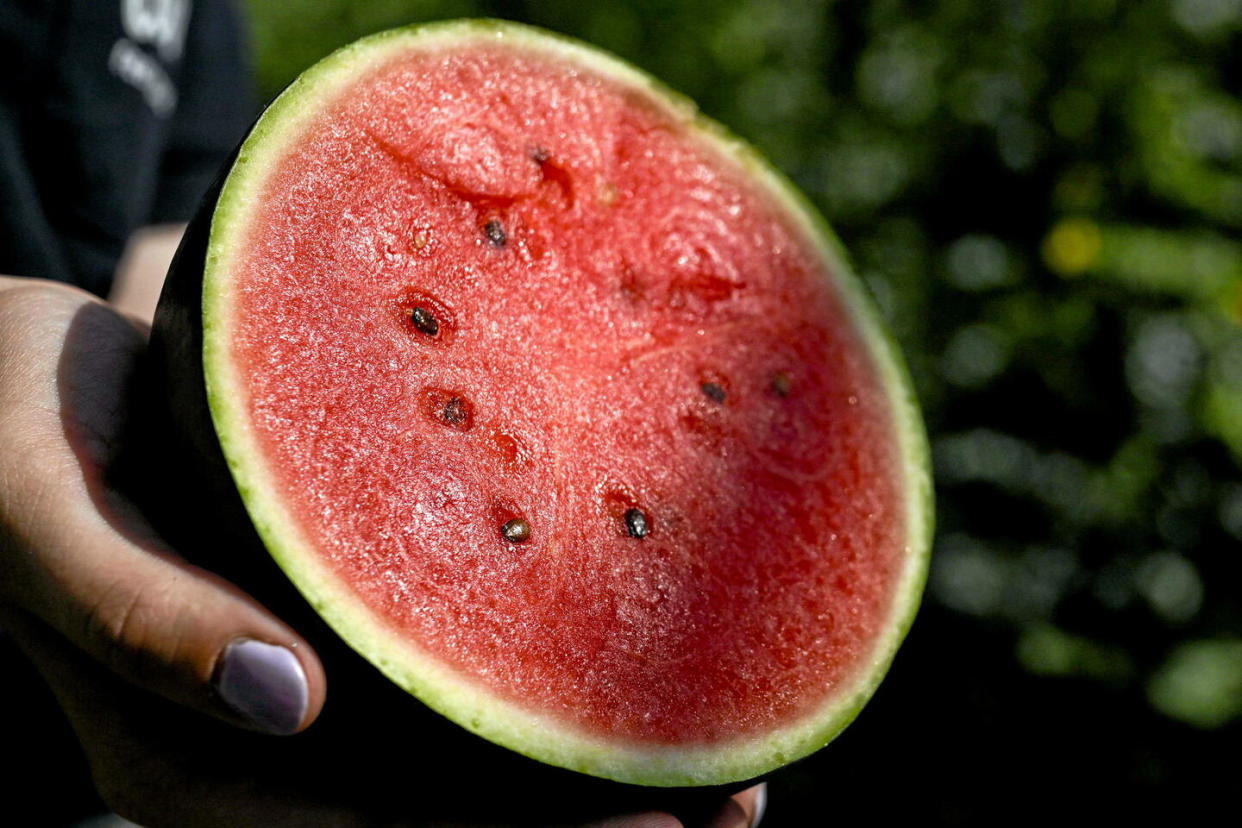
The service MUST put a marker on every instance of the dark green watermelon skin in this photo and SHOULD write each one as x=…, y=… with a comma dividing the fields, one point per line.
x=177, y=473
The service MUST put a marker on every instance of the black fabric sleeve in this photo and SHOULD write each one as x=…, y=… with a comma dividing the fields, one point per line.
x=217, y=105
x=114, y=114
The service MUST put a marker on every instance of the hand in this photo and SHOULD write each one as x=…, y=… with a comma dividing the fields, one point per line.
x=111, y=616
x=84, y=581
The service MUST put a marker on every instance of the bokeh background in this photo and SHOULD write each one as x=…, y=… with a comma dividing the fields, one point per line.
x=1045, y=198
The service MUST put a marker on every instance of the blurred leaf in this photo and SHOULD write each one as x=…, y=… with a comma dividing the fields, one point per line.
x=1200, y=683
x=1047, y=650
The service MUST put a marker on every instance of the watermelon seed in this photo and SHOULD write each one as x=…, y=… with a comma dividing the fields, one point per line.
x=714, y=392
x=455, y=412
x=495, y=233
x=424, y=316
x=516, y=530
x=782, y=383
x=540, y=155
x=448, y=408
x=636, y=523
x=425, y=321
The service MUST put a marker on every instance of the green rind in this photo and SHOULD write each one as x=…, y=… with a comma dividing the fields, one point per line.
x=453, y=695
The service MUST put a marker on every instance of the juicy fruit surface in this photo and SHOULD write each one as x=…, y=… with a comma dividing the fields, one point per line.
x=479, y=289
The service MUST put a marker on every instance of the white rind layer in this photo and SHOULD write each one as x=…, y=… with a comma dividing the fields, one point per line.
x=448, y=692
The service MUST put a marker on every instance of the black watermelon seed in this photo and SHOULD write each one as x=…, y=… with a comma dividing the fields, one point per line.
x=714, y=391
x=516, y=530
x=636, y=523
x=425, y=321
x=539, y=155
x=782, y=383
x=455, y=412
x=495, y=233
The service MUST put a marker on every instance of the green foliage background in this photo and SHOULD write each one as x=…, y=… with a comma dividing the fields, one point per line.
x=1045, y=198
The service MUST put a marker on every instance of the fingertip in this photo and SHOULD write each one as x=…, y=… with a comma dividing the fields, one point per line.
x=267, y=684
x=316, y=681
x=745, y=809
x=759, y=804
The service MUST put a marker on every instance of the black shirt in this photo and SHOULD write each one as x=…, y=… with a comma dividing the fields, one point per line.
x=114, y=114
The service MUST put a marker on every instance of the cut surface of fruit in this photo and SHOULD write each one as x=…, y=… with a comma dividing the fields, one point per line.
x=561, y=408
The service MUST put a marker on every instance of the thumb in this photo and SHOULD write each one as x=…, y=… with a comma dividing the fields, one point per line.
x=171, y=627
x=80, y=558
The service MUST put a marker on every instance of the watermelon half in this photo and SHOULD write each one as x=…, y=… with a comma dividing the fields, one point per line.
x=558, y=404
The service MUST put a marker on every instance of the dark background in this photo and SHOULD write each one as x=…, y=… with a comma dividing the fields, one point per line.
x=1045, y=199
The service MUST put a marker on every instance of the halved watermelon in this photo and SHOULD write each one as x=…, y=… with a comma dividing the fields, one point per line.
x=559, y=405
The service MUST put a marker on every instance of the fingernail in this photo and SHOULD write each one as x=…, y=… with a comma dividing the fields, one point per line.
x=761, y=805
x=265, y=683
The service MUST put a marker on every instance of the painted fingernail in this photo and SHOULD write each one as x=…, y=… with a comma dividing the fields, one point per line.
x=265, y=683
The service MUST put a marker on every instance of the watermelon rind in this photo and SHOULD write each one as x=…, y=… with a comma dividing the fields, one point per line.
x=452, y=694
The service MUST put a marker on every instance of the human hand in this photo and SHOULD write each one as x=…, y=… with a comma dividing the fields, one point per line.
x=84, y=582
x=136, y=643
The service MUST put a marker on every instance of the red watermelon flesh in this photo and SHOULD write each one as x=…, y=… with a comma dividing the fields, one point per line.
x=540, y=377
